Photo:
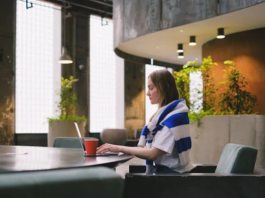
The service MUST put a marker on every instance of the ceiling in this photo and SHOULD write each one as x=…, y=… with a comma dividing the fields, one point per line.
x=162, y=45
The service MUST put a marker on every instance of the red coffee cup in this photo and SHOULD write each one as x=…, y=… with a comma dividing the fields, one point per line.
x=91, y=145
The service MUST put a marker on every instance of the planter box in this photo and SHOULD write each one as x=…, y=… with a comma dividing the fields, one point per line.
x=209, y=139
x=63, y=128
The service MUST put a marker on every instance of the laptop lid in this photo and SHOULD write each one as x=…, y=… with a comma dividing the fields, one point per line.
x=79, y=135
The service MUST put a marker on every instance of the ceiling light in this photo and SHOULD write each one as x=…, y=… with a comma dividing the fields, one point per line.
x=181, y=55
x=65, y=57
x=192, y=41
x=220, y=33
x=180, y=47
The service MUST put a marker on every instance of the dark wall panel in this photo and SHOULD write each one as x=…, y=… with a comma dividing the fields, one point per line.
x=134, y=97
x=77, y=42
x=7, y=54
x=246, y=49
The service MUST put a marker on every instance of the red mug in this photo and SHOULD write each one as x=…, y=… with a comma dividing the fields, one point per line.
x=91, y=145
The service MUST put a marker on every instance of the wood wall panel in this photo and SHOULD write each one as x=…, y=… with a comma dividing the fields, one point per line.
x=247, y=50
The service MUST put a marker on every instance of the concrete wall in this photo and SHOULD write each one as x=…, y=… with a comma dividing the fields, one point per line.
x=230, y=6
x=209, y=139
x=7, y=61
x=246, y=49
x=136, y=18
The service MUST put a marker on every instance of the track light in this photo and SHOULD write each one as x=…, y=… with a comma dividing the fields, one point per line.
x=220, y=33
x=181, y=55
x=180, y=47
x=192, y=41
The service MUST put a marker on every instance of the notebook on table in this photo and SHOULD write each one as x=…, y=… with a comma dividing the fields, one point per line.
x=83, y=146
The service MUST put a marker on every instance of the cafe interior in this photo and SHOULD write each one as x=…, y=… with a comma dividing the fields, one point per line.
x=74, y=76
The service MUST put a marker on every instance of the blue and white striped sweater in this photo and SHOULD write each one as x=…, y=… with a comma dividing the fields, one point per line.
x=175, y=117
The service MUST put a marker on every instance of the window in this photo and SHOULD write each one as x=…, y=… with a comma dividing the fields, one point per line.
x=38, y=43
x=149, y=108
x=106, y=78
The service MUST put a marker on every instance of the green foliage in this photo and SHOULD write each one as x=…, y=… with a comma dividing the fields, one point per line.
x=68, y=102
x=69, y=118
x=235, y=98
x=182, y=79
x=209, y=90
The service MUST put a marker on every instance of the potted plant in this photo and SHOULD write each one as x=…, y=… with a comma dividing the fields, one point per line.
x=63, y=126
x=227, y=116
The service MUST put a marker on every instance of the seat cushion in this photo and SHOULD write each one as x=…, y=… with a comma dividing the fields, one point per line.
x=67, y=142
x=92, y=182
x=237, y=158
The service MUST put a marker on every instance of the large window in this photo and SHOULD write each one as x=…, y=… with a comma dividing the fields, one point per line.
x=150, y=109
x=38, y=41
x=106, y=78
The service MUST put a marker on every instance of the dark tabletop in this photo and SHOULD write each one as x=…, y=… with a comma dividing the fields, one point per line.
x=28, y=158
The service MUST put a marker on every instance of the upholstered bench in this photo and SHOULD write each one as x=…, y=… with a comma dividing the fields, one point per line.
x=93, y=182
x=233, y=177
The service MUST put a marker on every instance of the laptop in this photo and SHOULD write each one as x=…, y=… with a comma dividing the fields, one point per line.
x=83, y=145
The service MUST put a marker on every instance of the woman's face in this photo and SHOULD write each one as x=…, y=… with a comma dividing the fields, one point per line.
x=153, y=92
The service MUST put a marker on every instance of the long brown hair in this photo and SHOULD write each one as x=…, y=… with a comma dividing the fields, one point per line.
x=165, y=83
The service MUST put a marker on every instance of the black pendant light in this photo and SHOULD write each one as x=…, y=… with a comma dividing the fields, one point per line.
x=192, y=40
x=180, y=47
x=220, y=33
x=181, y=55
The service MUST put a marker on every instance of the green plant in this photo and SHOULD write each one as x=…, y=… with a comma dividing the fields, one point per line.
x=182, y=79
x=209, y=90
x=235, y=98
x=68, y=101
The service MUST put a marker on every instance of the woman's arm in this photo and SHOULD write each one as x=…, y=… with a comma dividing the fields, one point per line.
x=144, y=153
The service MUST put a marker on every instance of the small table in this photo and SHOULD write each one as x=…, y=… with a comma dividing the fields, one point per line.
x=30, y=158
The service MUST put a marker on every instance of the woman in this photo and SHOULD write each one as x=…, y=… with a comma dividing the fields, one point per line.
x=165, y=139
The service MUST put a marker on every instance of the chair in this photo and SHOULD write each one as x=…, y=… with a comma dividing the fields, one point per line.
x=114, y=136
x=137, y=133
x=93, y=182
x=67, y=142
x=237, y=158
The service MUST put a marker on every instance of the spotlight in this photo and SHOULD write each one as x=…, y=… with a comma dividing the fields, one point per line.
x=192, y=41
x=180, y=47
x=181, y=55
x=220, y=33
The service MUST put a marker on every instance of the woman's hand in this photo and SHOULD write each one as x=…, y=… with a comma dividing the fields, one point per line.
x=108, y=148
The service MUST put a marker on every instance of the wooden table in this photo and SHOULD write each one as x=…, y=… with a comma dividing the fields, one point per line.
x=29, y=158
